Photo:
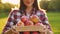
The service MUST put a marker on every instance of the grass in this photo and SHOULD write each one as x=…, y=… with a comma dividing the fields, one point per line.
x=3, y=18
x=54, y=19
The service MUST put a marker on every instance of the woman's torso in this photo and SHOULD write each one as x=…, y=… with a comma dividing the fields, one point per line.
x=18, y=15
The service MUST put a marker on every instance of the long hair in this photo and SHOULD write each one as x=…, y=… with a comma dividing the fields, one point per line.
x=23, y=7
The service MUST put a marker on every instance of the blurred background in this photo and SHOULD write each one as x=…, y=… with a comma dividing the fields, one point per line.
x=52, y=7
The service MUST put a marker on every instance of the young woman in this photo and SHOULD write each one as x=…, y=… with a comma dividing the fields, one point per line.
x=27, y=8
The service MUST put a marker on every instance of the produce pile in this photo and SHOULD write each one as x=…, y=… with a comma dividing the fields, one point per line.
x=34, y=20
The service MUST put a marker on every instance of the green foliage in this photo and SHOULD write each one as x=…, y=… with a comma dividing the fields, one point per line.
x=44, y=5
x=51, y=5
x=54, y=4
x=5, y=7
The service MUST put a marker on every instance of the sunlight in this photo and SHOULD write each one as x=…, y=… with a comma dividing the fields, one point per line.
x=39, y=0
x=11, y=1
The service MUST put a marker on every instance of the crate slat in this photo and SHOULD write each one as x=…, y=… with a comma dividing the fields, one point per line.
x=29, y=28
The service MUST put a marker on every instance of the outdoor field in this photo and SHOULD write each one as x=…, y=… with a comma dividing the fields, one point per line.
x=54, y=20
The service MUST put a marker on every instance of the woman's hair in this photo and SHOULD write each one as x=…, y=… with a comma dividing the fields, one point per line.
x=23, y=7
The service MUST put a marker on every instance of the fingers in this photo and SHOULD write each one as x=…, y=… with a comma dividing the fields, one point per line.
x=14, y=31
x=8, y=31
x=49, y=32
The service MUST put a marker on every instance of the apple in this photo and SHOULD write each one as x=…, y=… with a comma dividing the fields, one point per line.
x=35, y=32
x=20, y=23
x=28, y=23
x=26, y=32
x=24, y=18
x=35, y=18
x=38, y=24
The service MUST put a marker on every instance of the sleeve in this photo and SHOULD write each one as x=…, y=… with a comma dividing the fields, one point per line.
x=9, y=22
x=44, y=19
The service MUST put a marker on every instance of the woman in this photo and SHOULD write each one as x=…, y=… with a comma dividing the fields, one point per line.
x=28, y=8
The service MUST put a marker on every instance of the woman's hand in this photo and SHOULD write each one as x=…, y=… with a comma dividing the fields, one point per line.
x=49, y=32
x=11, y=31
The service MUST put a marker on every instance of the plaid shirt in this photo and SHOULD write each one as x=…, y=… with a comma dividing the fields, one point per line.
x=15, y=15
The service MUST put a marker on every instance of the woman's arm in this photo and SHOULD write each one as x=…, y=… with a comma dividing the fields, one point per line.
x=44, y=19
x=9, y=22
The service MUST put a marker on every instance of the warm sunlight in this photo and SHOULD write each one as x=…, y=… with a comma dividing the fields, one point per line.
x=12, y=1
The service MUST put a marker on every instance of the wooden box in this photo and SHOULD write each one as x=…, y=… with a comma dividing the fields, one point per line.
x=30, y=28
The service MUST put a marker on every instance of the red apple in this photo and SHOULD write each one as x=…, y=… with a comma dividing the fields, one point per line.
x=41, y=25
x=26, y=32
x=24, y=18
x=28, y=23
x=35, y=18
x=20, y=23
x=38, y=24
x=35, y=32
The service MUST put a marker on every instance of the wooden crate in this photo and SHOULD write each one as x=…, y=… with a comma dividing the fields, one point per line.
x=30, y=28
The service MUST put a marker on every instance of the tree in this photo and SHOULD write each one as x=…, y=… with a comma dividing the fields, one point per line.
x=6, y=7
x=44, y=4
x=0, y=2
x=54, y=5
